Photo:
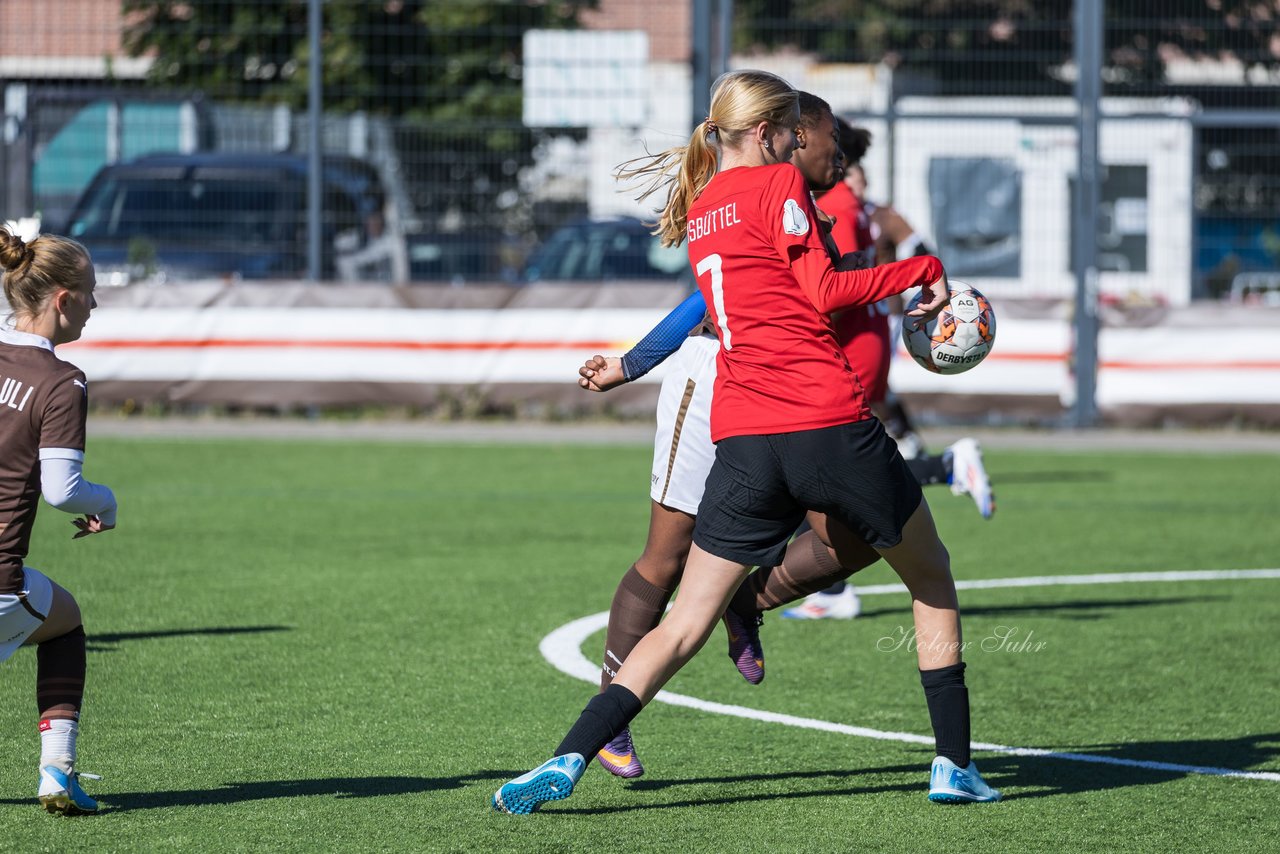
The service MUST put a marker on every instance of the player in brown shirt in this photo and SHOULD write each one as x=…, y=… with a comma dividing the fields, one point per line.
x=49, y=284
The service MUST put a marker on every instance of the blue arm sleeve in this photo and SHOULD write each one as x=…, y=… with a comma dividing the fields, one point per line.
x=665, y=338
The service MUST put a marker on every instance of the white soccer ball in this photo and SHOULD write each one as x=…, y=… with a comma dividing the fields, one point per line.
x=958, y=338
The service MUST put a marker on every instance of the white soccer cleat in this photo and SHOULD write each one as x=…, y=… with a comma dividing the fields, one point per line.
x=844, y=605
x=969, y=476
x=910, y=445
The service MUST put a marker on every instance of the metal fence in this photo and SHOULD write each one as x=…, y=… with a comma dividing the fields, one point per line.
x=461, y=137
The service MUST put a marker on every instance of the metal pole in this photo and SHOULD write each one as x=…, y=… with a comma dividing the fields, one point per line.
x=890, y=135
x=701, y=60
x=712, y=41
x=17, y=198
x=315, y=163
x=1199, y=287
x=724, y=38
x=1088, y=59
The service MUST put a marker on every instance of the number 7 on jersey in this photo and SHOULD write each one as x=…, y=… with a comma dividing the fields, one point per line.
x=712, y=264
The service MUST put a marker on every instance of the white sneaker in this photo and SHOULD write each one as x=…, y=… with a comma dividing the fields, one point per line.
x=844, y=605
x=969, y=476
x=910, y=445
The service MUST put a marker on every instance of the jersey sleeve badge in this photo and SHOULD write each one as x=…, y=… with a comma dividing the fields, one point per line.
x=794, y=220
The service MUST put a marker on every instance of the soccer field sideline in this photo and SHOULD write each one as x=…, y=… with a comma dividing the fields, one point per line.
x=641, y=433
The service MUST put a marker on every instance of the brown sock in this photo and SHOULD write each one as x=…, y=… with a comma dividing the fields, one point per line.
x=806, y=568
x=637, y=608
x=60, y=675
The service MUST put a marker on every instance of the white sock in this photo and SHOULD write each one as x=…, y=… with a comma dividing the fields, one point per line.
x=58, y=743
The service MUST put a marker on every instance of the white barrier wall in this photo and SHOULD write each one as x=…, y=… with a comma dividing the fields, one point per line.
x=1175, y=363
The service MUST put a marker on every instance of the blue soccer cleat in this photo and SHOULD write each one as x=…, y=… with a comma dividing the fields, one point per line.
x=951, y=784
x=553, y=780
x=60, y=792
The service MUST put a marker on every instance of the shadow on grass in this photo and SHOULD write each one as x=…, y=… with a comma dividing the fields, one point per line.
x=846, y=784
x=234, y=793
x=107, y=641
x=1020, y=777
x=836, y=773
x=1047, y=776
x=1079, y=609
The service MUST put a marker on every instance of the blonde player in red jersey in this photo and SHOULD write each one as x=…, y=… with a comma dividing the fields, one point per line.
x=683, y=456
x=49, y=285
x=792, y=427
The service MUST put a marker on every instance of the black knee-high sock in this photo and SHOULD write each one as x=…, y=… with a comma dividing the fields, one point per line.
x=929, y=470
x=948, y=700
x=60, y=667
x=603, y=718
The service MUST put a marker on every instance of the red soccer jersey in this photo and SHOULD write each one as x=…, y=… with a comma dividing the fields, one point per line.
x=863, y=331
x=852, y=230
x=770, y=286
x=864, y=334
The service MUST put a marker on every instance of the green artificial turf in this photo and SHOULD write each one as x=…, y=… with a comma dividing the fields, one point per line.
x=328, y=646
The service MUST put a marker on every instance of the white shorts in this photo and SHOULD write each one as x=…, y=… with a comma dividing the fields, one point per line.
x=23, y=613
x=682, y=448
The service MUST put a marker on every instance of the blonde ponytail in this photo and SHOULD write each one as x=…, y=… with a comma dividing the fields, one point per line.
x=740, y=100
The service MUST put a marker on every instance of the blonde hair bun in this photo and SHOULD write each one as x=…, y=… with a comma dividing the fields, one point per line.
x=15, y=254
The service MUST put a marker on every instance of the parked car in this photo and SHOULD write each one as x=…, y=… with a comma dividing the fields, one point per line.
x=222, y=214
x=460, y=258
x=606, y=249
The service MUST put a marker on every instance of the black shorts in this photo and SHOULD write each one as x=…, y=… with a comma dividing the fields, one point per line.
x=760, y=487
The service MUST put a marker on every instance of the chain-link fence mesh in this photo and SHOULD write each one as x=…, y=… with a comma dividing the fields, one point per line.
x=475, y=141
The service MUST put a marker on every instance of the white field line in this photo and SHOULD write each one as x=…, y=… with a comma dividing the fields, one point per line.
x=563, y=649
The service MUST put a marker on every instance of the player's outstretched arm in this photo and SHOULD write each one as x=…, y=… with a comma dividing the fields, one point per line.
x=831, y=290
x=601, y=373
x=64, y=486
x=665, y=338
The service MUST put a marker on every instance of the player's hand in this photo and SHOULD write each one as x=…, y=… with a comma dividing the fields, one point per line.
x=601, y=373
x=934, y=297
x=89, y=525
